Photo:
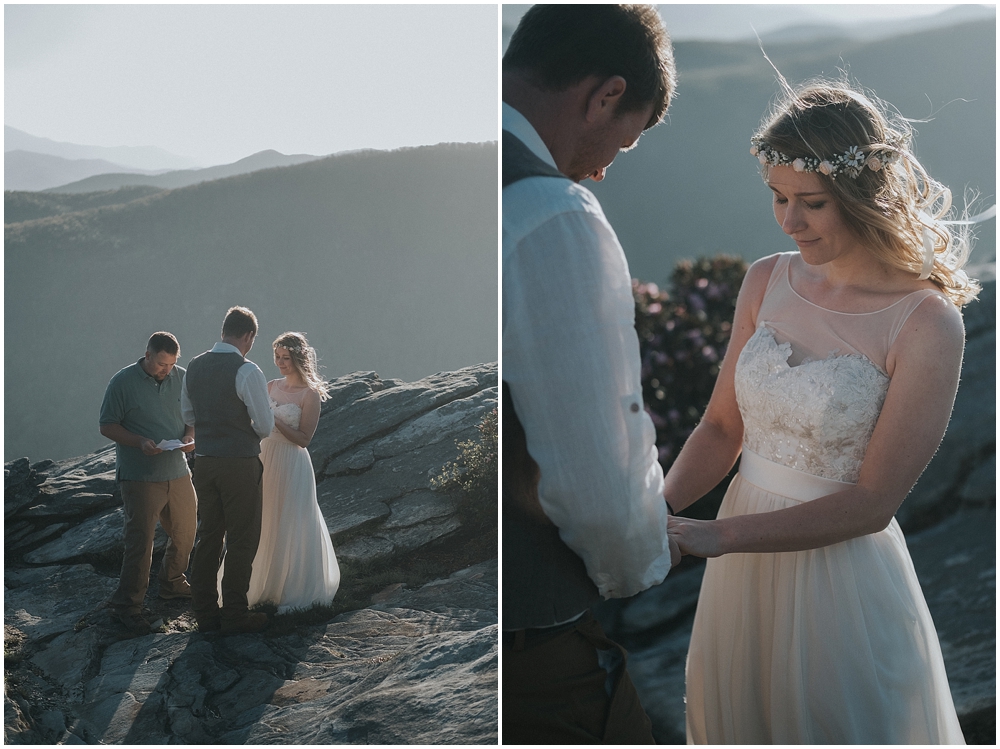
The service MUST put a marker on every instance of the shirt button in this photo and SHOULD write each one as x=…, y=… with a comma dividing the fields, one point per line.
x=634, y=408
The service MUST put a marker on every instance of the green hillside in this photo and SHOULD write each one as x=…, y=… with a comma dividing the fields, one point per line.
x=387, y=260
x=692, y=189
x=21, y=206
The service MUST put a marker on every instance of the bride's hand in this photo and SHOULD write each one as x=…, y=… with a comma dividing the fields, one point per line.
x=700, y=538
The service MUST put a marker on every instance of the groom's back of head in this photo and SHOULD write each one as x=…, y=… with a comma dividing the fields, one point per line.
x=556, y=46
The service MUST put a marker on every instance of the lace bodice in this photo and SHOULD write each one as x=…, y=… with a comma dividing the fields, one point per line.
x=816, y=417
x=810, y=382
x=287, y=407
x=289, y=413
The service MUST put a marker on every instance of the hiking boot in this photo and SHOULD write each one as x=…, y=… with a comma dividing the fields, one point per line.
x=209, y=625
x=181, y=592
x=245, y=625
x=134, y=622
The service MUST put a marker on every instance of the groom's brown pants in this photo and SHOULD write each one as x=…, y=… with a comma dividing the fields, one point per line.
x=569, y=686
x=229, y=508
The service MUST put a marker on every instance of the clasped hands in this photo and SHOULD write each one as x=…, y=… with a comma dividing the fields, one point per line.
x=700, y=538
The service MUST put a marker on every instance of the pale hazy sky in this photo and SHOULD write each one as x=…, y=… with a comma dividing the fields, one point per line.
x=216, y=83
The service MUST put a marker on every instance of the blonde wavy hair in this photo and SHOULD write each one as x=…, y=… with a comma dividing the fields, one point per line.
x=887, y=209
x=304, y=360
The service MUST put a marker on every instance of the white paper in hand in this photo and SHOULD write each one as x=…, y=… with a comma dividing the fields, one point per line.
x=170, y=444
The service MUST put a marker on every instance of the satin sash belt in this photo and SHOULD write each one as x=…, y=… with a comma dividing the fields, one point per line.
x=788, y=482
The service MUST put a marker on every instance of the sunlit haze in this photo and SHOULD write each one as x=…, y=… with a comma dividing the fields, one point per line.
x=216, y=83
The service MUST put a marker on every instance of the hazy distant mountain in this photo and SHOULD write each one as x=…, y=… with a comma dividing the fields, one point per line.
x=780, y=23
x=26, y=170
x=869, y=31
x=691, y=188
x=387, y=260
x=183, y=178
x=134, y=157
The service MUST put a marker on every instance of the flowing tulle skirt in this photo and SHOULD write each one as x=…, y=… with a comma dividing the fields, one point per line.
x=827, y=646
x=295, y=565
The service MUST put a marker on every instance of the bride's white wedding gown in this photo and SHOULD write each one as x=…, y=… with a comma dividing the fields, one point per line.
x=831, y=645
x=295, y=565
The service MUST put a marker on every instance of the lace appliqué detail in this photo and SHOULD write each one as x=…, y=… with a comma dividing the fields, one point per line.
x=816, y=417
x=288, y=413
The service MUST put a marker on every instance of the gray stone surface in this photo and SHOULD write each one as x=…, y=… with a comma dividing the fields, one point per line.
x=58, y=599
x=76, y=503
x=981, y=485
x=971, y=437
x=99, y=535
x=418, y=666
x=376, y=415
x=446, y=424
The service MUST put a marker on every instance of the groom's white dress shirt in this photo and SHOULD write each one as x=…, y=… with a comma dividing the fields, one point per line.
x=571, y=361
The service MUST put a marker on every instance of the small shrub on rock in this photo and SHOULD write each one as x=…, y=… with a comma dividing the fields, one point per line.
x=474, y=473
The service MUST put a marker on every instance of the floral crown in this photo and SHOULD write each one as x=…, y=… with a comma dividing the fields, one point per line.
x=851, y=162
x=294, y=348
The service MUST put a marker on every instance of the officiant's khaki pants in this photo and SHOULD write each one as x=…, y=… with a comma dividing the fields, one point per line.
x=174, y=505
x=570, y=687
x=229, y=508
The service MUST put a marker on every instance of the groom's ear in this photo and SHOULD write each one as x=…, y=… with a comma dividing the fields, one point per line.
x=604, y=97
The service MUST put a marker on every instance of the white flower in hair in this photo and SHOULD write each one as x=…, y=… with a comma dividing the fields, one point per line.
x=854, y=156
x=874, y=163
x=826, y=167
x=799, y=165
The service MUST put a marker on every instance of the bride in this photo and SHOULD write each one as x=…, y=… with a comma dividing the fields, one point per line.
x=837, y=387
x=295, y=565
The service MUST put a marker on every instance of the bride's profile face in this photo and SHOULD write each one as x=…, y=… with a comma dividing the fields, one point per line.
x=283, y=360
x=807, y=213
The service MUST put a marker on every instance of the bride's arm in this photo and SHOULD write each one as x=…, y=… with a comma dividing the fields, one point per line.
x=928, y=360
x=711, y=450
x=307, y=423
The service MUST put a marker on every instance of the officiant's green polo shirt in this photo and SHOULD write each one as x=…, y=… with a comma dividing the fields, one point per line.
x=150, y=409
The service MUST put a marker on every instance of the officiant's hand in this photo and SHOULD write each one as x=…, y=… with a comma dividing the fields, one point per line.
x=700, y=538
x=148, y=446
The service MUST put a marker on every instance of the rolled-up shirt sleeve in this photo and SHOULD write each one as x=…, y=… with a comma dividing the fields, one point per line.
x=571, y=361
x=251, y=386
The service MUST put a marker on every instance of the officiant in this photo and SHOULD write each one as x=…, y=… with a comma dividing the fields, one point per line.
x=141, y=410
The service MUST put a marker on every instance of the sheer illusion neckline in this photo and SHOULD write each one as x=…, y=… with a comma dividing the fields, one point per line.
x=297, y=388
x=788, y=281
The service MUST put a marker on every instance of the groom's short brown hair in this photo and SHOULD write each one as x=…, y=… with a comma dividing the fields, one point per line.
x=239, y=321
x=556, y=46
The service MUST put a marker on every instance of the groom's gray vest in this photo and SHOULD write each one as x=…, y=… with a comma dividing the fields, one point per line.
x=222, y=423
x=544, y=581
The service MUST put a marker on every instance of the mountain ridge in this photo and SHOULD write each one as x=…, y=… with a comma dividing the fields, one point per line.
x=267, y=159
x=31, y=171
x=390, y=254
x=139, y=157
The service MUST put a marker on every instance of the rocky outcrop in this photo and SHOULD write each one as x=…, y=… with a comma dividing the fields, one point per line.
x=415, y=662
x=964, y=467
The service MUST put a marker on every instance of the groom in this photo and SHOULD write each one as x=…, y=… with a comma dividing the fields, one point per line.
x=225, y=399
x=583, y=515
